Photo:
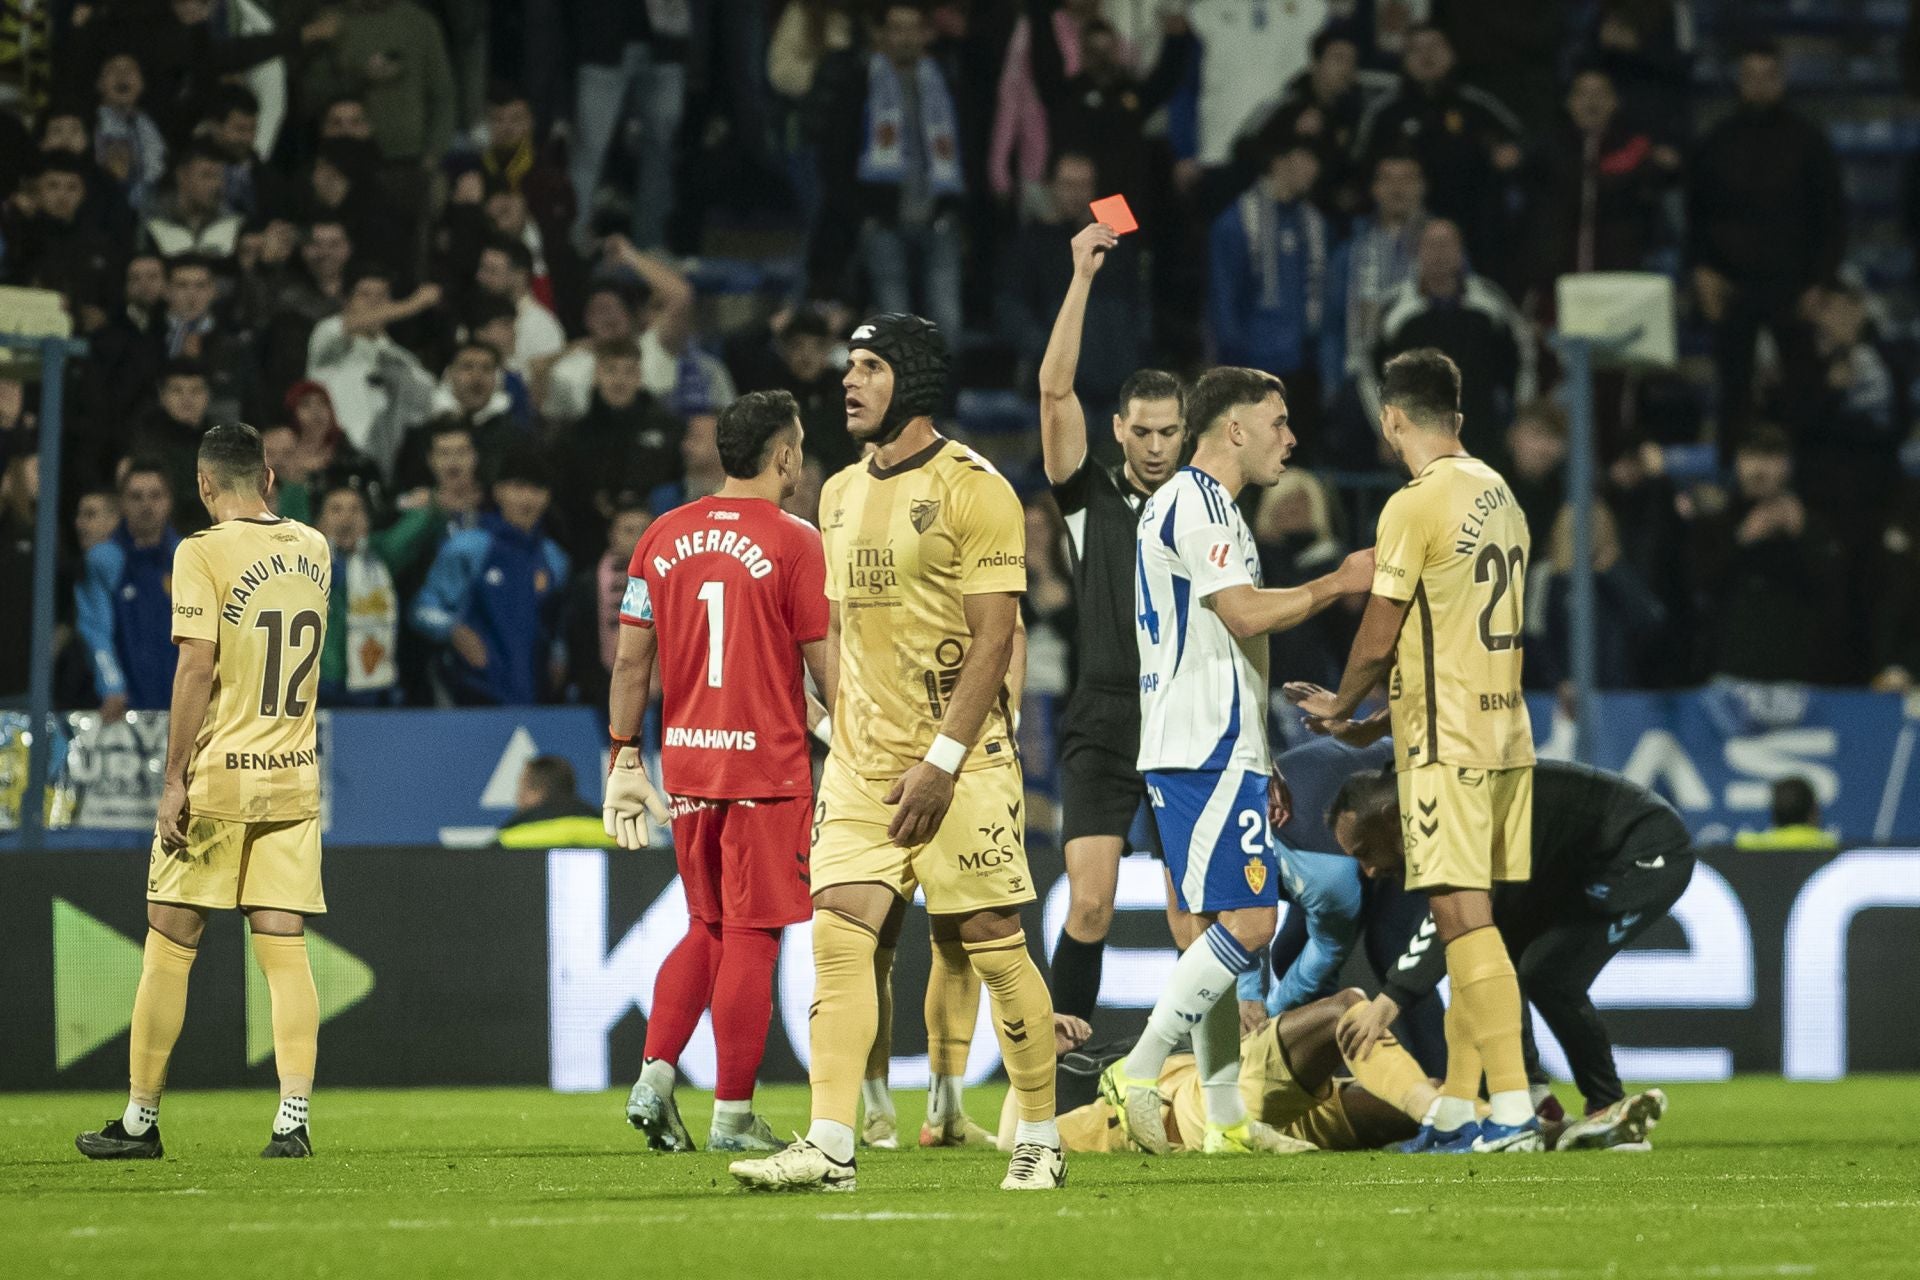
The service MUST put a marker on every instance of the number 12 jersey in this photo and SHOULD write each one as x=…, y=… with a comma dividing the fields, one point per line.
x=733, y=587
x=1454, y=544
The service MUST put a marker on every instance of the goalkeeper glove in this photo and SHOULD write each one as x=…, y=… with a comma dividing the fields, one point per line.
x=630, y=793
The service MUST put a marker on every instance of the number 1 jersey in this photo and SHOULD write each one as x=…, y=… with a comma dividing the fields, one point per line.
x=257, y=588
x=732, y=587
x=1453, y=542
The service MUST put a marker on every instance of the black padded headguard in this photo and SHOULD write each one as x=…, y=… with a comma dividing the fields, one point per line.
x=916, y=351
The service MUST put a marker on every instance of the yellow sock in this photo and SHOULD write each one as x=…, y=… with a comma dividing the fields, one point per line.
x=845, y=1014
x=296, y=1009
x=952, y=1008
x=1390, y=1074
x=880, y=1057
x=159, y=1008
x=1463, y=1056
x=1023, y=1017
x=1488, y=994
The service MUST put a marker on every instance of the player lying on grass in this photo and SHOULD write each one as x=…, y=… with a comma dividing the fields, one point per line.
x=1610, y=858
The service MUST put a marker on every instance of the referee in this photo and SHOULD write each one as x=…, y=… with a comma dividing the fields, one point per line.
x=1101, y=790
x=1610, y=858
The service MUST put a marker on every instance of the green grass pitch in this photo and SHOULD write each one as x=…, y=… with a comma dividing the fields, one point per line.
x=1756, y=1178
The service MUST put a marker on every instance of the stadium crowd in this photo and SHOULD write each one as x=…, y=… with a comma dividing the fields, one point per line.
x=458, y=262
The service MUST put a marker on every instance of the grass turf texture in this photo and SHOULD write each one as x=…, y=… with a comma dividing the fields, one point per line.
x=1749, y=1179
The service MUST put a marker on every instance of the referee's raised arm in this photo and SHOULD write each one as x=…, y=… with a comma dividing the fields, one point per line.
x=1063, y=424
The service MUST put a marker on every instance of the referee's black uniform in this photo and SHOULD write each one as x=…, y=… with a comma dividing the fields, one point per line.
x=1609, y=859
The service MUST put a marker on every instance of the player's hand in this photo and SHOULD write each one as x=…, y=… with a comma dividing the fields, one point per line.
x=467, y=643
x=1279, y=800
x=1365, y=1027
x=1355, y=574
x=170, y=822
x=1314, y=702
x=922, y=794
x=630, y=800
x=1090, y=248
x=1069, y=1033
x=1253, y=1016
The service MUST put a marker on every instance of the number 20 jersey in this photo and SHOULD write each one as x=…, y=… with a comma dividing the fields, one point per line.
x=732, y=587
x=1454, y=544
x=256, y=588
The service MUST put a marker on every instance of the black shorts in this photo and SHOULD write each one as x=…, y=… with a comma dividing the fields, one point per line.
x=1101, y=790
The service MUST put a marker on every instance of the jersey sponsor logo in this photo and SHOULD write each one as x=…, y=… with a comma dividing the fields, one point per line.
x=681, y=806
x=723, y=515
x=1513, y=701
x=712, y=739
x=999, y=558
x=870, y=569
x=1393, y=571
x=264, y=760
x=1000, y=850
x=1219, y=553
x=187, y=611
x=260, y=572
x=725, y=542
x=923, y=513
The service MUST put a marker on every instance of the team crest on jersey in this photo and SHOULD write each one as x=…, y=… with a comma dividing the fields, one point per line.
x=923, y=513
x=1256, y=874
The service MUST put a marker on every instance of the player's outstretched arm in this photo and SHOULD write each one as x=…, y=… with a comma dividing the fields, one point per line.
x=1063, y=424
x=1368, y=663
x=192, y=690
x=1254, y=611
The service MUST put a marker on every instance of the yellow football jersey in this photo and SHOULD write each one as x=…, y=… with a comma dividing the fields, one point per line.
x=1454, y=542
x=258, y=589
x=904, y=547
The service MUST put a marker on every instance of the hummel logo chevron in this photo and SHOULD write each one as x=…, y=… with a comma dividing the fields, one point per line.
x=1428, y=806
x=1428, y=828
x=1016, y=1031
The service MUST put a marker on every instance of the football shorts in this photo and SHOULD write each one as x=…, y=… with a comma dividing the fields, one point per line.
x=744, y=862
x=1213, y=832
x=1466, y=828
x=227, y=863
x=1101, y=790
x=976, y=861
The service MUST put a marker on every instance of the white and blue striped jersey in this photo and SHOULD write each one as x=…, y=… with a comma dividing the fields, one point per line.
x=1203, y=694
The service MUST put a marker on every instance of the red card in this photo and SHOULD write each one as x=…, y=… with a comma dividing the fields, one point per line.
x=1114, y=212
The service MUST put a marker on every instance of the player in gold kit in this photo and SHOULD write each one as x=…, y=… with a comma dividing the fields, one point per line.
x=239, y=819
x=1445, y=618
x=926, y=563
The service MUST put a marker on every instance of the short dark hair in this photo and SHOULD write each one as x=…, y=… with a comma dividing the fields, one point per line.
x=748, y=428
x=231, y=98
x=232, y=454
x=1366, y=795
x=630, y=294
x=362, y=269
x=524, y=464
x=1152, y=384
x=1793, y=802
x=516, y=251
x=183, y=367
x=1424, y=384
x=502, y=93
x=806, y=322
x=1331, y=34
x=449, y=424
x=614, y=349
x=347, y=487
x=1222, y=389
x=143, y=466
x=485, y=308
x=475, y=344
x=199, y=150
x=188, y=261
x=552, y=777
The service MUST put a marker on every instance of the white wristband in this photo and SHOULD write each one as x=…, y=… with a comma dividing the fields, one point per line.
x=947, y=754
x=824, y=730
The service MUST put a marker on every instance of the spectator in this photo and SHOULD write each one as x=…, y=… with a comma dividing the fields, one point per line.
x=626, y=442
x=890, y=167
x=144, y=298
x=342, y=185
x=631, y=51
x=1769, y=573
x=1294, y=527
x=1324, y=105
x=292, y=494
x=1101, y=109
x=701, y=474
x=513, y=158
x=494, y=594
x=455, y=496
x=346, y=117
x=19, y=492
x=254, y=188
x=193, y=216
x=1655, y=539
x=655, y=316
x=69, y=131
x=1638, y=43
x=808, y=30
x=550, y=812
x=1245, y=52
x=57, y=247
x=196, y=330
x=593, y=606
x=1470, y=319
x=284, y=304
x=795, y=355
x=323, y=451
x=167, y=439
x=1464, y=139
x=1268, y=265
x=123, y=607
x=1628, y=617
x=1367, y=271
x=472, y=392
x=379, y=388
x=1766, y=227
x=126, y=141
x=358, y=661
x=1595, y=185
x=1850, y=418
x=1017, y=159
x=505, y=270
x=1794, y=808
x=1535, y=461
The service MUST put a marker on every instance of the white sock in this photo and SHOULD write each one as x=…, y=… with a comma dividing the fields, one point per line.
x=876, y=1098
x=732, y=1116
x=292, y=1114
x=139, y=1117
x=1216, y=1054
x=1448, y=1113
x=1202, y=978
x=658, y=1075
x=832, y=1137
x=1044, y=1132
x=1511, y=1106
x=943, y=1100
